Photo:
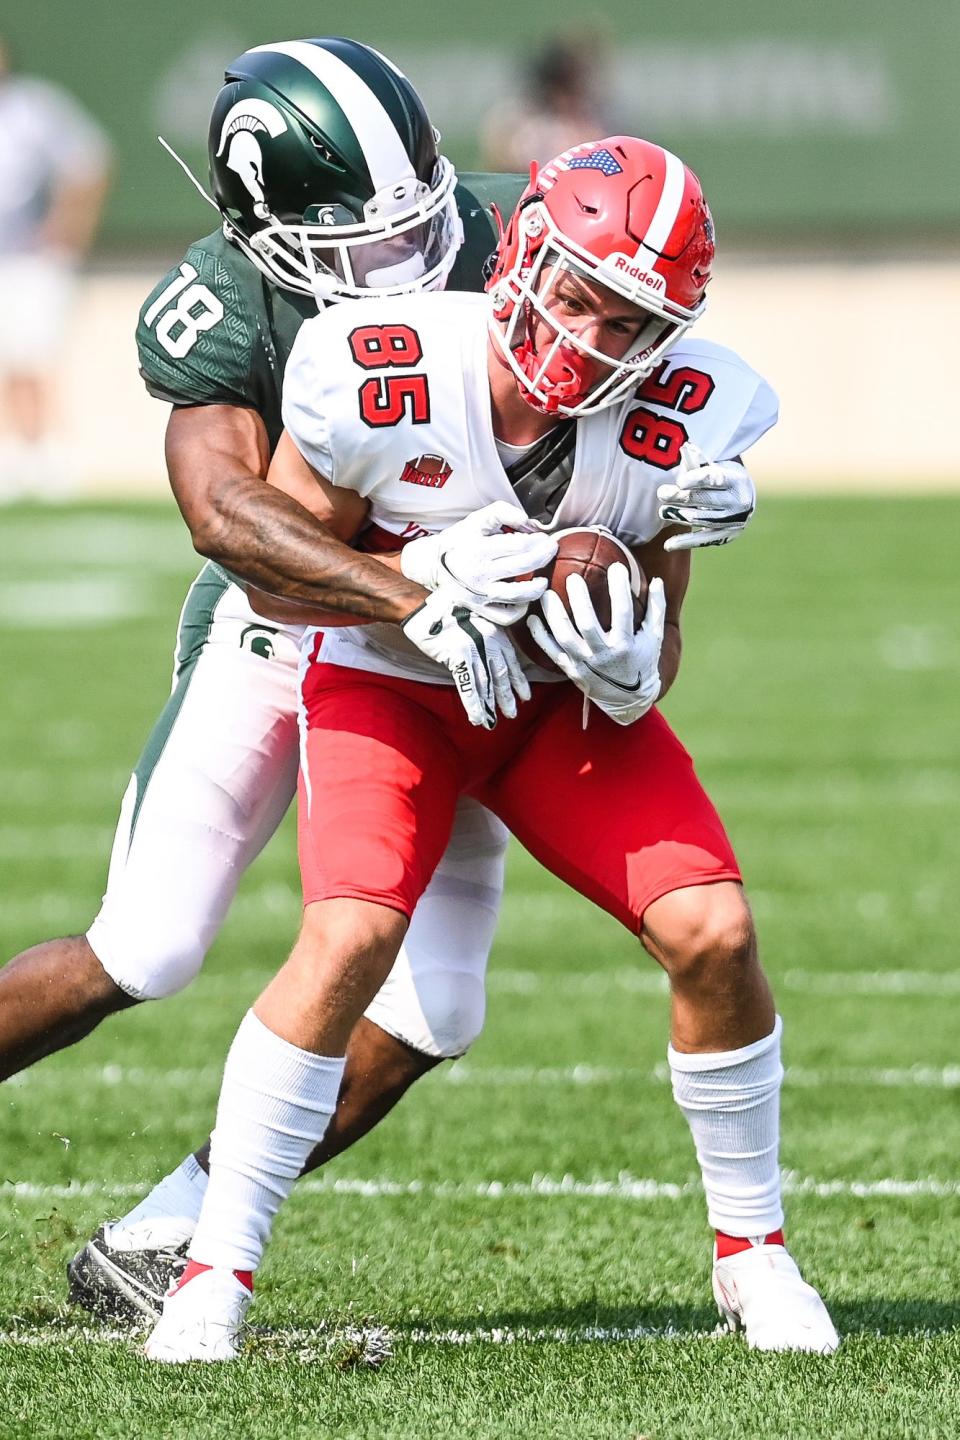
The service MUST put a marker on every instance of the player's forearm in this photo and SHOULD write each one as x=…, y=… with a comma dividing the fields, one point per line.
x=669, y=656
x=673, y=568
x=274, y=544
x=292, y=612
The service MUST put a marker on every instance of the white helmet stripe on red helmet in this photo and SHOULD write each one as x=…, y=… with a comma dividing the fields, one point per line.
x=668, y=207
x=631, y=220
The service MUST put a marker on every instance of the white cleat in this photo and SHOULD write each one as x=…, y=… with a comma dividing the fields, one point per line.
x=203, y=1317
x=761, y=1292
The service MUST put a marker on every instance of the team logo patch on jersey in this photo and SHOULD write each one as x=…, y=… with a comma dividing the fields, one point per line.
x=600, y=160
x=431, y=470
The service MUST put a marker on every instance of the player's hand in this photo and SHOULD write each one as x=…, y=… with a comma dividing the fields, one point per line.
x=479, y=655
x=618, y=669
x=715, y=498
x=483, y=560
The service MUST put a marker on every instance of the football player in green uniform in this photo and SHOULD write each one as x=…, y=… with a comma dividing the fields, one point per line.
x=327, y=176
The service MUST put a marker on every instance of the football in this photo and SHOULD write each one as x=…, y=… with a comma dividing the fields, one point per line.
x=588, y=551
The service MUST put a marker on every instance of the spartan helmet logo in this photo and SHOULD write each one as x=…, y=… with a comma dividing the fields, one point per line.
x=244, y=157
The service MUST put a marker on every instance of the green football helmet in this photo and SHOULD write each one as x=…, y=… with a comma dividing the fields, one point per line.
x=326, y=171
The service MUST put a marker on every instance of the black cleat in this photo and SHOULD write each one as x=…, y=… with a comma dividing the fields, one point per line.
x=124, y=1285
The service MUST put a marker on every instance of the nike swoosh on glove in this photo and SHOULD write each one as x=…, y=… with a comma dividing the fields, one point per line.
x=715, y=498
x=479, y=655
x=618, y=669
x=482, y=557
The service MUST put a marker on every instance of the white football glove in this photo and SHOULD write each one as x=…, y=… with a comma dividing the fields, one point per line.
x=618, y=669
x=714, y=497
x=479, y=655
x=478, y=556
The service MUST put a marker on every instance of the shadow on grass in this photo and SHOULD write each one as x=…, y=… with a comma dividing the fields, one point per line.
x=878, y=1316
x=869, y=1316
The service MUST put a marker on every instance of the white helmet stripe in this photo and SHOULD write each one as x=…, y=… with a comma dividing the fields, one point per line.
x=665, y=215
x=380, y=141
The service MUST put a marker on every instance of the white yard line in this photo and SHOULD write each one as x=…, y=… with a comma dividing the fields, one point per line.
x=314, y=1343
x=55, y=842
x=628, y=981
x=928, y=1077
x=465, y=1075
x=73, y=602
x=102, y=542
x=538, y=1187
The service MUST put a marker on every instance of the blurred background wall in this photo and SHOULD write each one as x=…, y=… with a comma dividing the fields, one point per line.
x=825, y=136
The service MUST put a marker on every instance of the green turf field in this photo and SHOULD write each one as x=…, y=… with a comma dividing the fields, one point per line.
x=527, y=1226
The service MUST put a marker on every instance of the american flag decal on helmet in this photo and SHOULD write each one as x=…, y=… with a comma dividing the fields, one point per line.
x=600, y=160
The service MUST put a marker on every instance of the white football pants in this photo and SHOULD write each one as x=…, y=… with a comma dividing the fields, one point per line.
x=213, y=783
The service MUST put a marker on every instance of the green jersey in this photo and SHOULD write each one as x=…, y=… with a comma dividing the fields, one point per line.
x=217, y=332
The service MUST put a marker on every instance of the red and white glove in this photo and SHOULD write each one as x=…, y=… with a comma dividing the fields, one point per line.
x=715, y=498
x=481, y=556
x=618, y=669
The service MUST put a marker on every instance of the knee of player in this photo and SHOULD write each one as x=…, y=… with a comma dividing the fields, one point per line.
x=346, y=931
x=454, y=1007
x=703, y=935
x=152, y=964
x=440, y=1014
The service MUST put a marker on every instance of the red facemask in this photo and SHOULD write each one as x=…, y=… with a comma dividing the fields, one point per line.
x=567, y=379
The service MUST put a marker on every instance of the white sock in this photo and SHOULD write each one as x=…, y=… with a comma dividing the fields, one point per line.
x=275, y=1105
x=732, y=1104
x=167, y=1216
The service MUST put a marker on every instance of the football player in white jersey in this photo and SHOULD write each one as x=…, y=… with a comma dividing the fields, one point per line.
x=402, y=416
x=327, y=176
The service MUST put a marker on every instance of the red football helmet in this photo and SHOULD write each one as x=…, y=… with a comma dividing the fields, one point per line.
x=622, y=213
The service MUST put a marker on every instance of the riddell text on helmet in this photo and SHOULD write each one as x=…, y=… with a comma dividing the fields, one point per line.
x=648, y=278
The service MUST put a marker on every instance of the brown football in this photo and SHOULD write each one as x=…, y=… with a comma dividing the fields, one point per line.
x=588, y=552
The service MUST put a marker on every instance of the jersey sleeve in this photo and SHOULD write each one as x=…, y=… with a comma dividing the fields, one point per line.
x=741, y=411
x=760, y=415
x=305, y=399
x=704, y=394
x=194, y=338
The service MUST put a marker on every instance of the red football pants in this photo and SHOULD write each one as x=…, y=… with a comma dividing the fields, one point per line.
x=617, y=812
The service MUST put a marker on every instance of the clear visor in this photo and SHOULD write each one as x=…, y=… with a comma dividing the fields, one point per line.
x=334, y=257
x=551, y=367
x=655, y=327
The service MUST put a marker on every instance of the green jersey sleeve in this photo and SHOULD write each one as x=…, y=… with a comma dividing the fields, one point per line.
x=476, y=195
x=196, y=333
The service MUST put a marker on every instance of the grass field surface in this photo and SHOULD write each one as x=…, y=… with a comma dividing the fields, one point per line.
x=526, y=1235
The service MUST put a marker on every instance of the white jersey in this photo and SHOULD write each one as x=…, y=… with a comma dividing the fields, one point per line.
x=392, y=400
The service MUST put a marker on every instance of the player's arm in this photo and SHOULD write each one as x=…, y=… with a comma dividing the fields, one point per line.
x=341, y=512
x=479, y=655
x=218, y=458
x=673, y=568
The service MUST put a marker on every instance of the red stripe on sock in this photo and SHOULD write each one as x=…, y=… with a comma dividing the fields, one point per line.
x=734, y=1244
x=194, y=1267
x=197, y=1267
